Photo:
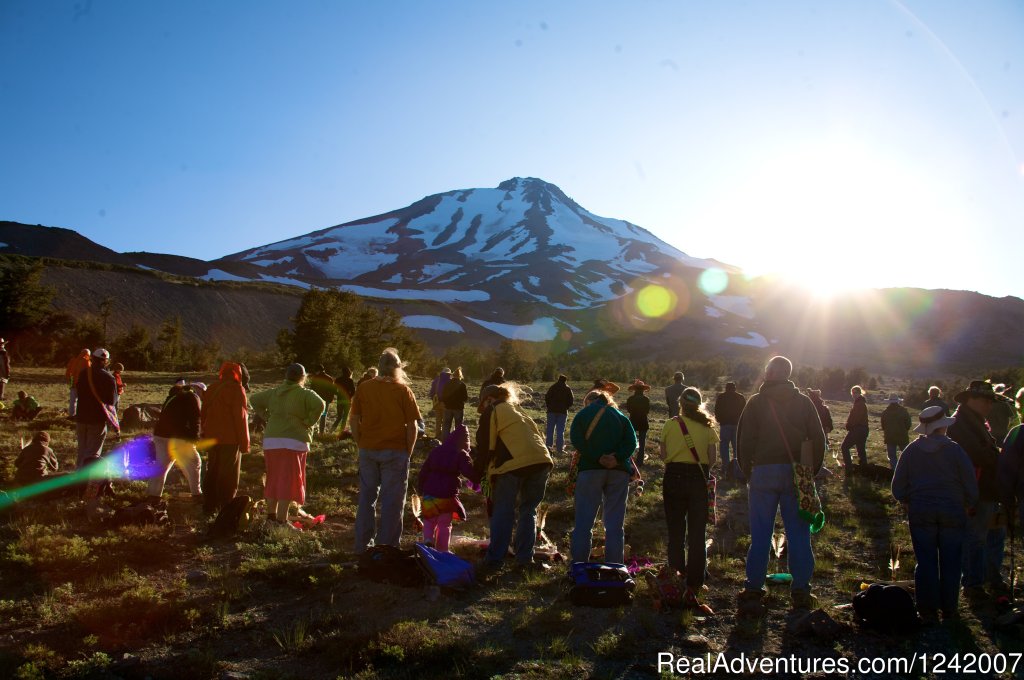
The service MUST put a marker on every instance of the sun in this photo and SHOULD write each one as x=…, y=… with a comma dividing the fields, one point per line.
x=832, y=216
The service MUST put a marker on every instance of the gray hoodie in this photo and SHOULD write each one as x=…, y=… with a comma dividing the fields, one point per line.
x=935, y=473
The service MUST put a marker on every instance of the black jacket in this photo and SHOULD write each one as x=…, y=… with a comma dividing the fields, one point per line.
x=559, y=398
x=90, y=410
x=638, y=406
x=180, y=416
x=759, y=438
x=728, y=407
x=455, y=395
x=970, y=433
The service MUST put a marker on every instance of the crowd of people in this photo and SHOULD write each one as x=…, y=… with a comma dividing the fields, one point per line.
x=957, y=480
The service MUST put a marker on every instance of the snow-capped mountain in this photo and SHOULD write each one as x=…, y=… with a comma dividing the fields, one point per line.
x=524, y=240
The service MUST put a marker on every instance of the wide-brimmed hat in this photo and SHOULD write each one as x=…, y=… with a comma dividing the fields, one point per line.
x=931, y=419
x=894, y=399
x=977, y=388
x=640, y=385
x=605, y=386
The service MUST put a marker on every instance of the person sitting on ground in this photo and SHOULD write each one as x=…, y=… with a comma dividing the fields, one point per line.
x=36, y=461
x=513, y=458
x=25, y=407
x=638, y=406
x=605, y=440
x=557, y=400
x=935, y=399
x=439, y=487
x=896, y=424
x=174, y=438
x=934, y=478
x=856, y=429
x=673, y=392
x=688, y=449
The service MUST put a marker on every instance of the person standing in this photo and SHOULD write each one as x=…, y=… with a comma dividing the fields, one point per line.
x=291, y=412
x=824, y=414
x=557, y=400
x=94, y=414
x=935, y=479
x=638, y=406
x=437, y=386
x=896, y=424
x=345, y=388
x=71, y=373
x=5, y=367
x=1003, y=416
x=673, y=392
x=774, y=424
x=688, y=448
x=605, y=440
x=516, y=465
x=728, y=408
x=175, y=437
x=117, y=369
x=439, y=486
x=384, y=415
x=935, y=399
x=971, y=432
x=454, y=398
x=225, y=419
x=497, y=377
x=1011, y=471
x=856, y=429
x=322, y=383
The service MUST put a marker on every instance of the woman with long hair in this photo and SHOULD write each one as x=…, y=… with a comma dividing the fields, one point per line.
x=605, y=441
x=516, y=474
x=384, y=414
x=688, y=448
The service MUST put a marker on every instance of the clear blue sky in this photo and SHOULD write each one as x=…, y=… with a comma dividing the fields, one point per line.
x=871, y=143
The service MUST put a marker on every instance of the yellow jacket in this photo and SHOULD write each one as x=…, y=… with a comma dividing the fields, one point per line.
x=522, y=437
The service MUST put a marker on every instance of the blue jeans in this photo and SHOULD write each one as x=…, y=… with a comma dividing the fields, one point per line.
x=856, y=436
x=728, y=437
x=556, y=427
x=938, y=538
x=974, y=544
x=513, y=494
x=894, y=451
x=641, y=444
x=592, y=488
x=771, y=488
x=383, y=473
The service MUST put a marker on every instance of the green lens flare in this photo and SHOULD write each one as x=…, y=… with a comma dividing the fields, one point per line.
x=713, y=281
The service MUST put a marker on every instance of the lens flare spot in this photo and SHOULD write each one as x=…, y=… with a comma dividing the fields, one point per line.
x=713, y=281
x=655, y=301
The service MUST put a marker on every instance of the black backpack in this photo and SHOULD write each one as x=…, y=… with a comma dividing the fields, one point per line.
x=886, y=607
x=388, y=564
x=233, y=518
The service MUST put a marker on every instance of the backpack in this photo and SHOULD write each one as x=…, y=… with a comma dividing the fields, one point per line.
x=886, y=607
x=444, y=568
x=600, y=584
x=388, y=564
x=233, y=518
x=140, y=514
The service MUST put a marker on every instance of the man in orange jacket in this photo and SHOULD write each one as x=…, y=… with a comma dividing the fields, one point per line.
x=78, y=363
x=225, y=418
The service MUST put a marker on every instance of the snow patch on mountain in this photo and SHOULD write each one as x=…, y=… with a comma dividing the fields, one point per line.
x=739, y=305
x=752, y=340
x=284, y=280
x=436, y=323
x=221, y=275
x=714, y=312
x=540, y=330
x=439, y=295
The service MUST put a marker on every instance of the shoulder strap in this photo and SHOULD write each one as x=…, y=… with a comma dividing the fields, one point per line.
x=782, y=433
x=593, y=423
x=689, y=442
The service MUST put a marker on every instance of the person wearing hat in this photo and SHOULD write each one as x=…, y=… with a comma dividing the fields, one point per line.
x=25, y=407
x=971, y=432
x=5, y=367
x=896, y=424
x=935, y=399
x=934, y=478
x=1003, y=416
x=673, y=392
x=96, y=413
x=774, y=424
x=638, y=406
x=71, y=373
x=291, y=412
x=225, y=420
x=728, y=408
x=606, y=386
x=437, y=386
x=384, y=415
x=558, y=400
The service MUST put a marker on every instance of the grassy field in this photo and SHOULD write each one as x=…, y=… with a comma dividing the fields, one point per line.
x=82, y=600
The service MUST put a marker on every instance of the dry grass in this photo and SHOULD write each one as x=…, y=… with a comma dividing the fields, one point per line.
x=77, y=597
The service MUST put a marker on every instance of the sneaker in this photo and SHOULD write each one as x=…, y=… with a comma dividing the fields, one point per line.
x=803, y=599
x=750, y=604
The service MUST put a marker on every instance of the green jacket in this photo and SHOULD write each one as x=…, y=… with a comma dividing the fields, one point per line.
x=613, y=434
x=289, y=410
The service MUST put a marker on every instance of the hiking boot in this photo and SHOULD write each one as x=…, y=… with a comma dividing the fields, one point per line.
x=690, y=601
x=802, y=599
x=750, y=604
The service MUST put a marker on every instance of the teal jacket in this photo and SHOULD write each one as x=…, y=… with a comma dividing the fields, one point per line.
x=289, y=410
x=614, y=434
